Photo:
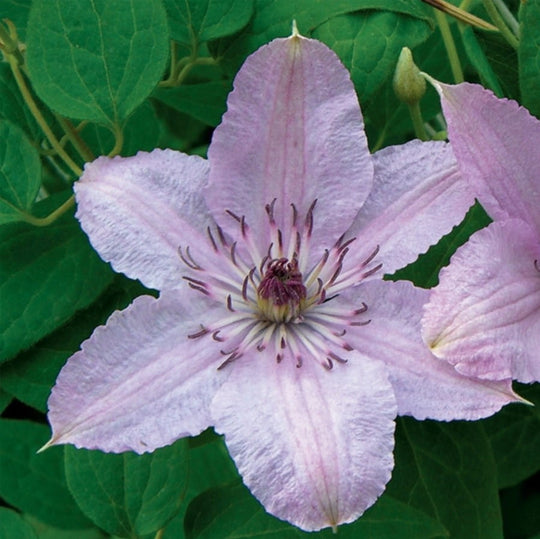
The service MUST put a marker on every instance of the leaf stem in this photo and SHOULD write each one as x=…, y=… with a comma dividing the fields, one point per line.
x=450, y=46
x=118, y=140
x=44, y=221
x=500, y=23
x=14, y=63
x=76, y=140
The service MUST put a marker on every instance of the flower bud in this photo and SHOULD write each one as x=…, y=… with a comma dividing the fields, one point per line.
x=409, y=84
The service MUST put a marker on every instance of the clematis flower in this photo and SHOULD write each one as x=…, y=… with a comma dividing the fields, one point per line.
x=273, y=324
x=484, y=316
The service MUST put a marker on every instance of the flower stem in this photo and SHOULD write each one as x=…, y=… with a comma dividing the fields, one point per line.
x=450, y=46
x=44, y=221
x=418, y=121
x=500, y=23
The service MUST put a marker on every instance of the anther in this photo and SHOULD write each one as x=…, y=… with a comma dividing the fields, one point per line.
x=270, y=211
x=371, y=257
x=229, y=304
x=214, y=244
x=233, y=215
x=203, y=331
x=216, y=336
x=361, y=310
x=187, y=259
x=371, y=271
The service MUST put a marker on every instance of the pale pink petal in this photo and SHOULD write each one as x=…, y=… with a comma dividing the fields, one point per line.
x=139, y=382
x=293, y=132
x=314, y=446
x=138, y=210
x=496, y=143
x=484, y=316
x=418, y=196
x=425, y=386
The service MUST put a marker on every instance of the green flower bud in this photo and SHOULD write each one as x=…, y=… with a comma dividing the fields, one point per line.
x=409, y=84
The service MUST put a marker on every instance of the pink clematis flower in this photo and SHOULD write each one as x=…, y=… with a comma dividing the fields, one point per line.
x=484, y=316
x=273, y=324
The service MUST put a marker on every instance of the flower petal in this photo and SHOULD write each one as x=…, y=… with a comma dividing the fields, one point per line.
x=138, y=210
x=138, y=383
x=418, y=196
x=484, y=316
x=496, y=143
x=425, y=387
x=293, y=132
x=314, y=446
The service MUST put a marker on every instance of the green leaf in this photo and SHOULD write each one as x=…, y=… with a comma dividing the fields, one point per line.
x=195, y=21
x=371, y=61
x=5, y=399
x=46, y=275
x=209, y=465
x=12, y=105
x=206, y=101
x=503, y=60
x=447, y=470
x=141, y=132
x=96, y=59
x=128, y=494
x=17, y=12
x=35, y=483
x=20, y=173
x=479, y=61
x=529, y=55
x=13, y=526
x=31, y=375
x=273, y=18
x=45, y=531
x=231, y=511
x=514, y=434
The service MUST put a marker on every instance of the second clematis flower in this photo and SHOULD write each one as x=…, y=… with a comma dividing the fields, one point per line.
x=484, y=316
x=273, y=324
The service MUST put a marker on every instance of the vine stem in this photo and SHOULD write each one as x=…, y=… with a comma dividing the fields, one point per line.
x=500, y=23
x=449, y=44
x=73, y=135
x=36, y=113
x=44, y=221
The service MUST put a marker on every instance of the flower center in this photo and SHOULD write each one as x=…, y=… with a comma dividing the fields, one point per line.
x=281, y=292
x=280, y=301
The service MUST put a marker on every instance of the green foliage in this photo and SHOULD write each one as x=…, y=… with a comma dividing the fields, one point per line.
x=12, y=525
x=41, y=279
x=371, y=61
x=111, y=65
x=195, y=21
x=32, y=482
x=529, y=55
x=205, y=101
x=514, y=434
x=447, y=471
x=128, y=494
x=20, y=174
x=230, y=511
x=96, y=60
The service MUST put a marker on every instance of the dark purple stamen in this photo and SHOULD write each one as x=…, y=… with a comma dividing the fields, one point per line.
x=282, y=283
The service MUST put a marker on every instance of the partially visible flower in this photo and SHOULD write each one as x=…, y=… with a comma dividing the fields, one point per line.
x=272, y=324
x=484, y=316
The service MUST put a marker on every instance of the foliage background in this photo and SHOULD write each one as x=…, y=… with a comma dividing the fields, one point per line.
x=117, y=76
